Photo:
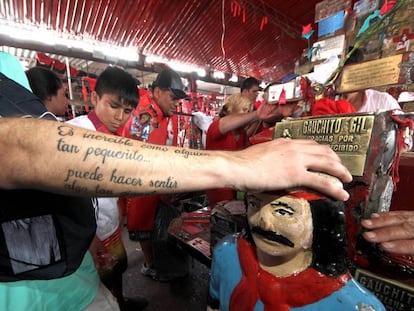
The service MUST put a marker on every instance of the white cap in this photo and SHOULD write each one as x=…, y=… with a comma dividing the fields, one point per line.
x=406, y=97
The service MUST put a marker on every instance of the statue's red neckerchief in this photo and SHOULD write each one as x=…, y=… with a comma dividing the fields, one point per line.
x=278, y=293
x=403, y=124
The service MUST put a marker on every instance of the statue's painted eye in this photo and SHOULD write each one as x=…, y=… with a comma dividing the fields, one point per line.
x=283, y=211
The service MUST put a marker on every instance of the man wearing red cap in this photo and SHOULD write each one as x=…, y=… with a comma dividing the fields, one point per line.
x=153, y=121
x=293, y=257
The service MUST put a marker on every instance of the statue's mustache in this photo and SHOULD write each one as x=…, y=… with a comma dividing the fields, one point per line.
x=273, y=236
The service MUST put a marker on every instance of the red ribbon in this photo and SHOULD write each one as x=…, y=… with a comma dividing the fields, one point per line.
x=403, y=124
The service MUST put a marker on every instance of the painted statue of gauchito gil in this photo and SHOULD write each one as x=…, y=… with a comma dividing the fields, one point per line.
x=292, y=257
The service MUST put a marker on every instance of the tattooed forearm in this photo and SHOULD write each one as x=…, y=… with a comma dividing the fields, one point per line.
x=73, y=180
x=169, y=183
x=94, y=175
x=122, y=179
x=74, y=187
x=64, y=130
x=65, y=147
x=186, y=153
x=112, y=139
x=99, y=181
x=99, y=191
x=104, y=153
x=154, y=147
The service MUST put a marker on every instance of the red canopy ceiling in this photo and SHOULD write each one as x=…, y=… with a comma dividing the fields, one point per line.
x=261, y=38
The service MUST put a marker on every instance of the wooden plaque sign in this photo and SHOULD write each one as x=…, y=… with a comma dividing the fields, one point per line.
x=375, y=73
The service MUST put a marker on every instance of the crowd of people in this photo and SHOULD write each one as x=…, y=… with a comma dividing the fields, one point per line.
x=109, y=165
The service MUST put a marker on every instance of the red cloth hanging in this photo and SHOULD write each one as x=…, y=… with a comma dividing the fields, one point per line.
x=282, y=97
x=326, y=106
x=88, y=85
x=73, y=72
x=403, y=125
x=59, y=66
x=43, y=59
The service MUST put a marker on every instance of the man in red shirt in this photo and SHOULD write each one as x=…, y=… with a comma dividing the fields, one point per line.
x=231, y=132
x=153, y=121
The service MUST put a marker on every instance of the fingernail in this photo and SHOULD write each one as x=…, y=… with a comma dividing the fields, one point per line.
x=375, y=215
x=346, y=197
x=367, y=222
x=370, y=235
x=388, y=245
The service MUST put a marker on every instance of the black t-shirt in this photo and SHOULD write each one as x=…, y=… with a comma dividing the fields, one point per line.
x=42, y=235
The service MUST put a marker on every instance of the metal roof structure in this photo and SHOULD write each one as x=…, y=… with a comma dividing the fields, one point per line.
x=260, y=38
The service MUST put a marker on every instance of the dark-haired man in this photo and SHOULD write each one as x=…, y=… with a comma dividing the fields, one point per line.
x=250, y=88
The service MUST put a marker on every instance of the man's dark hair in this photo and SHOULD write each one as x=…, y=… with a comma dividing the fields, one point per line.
x=248, y=83
x=44, y=82
x=114, y=80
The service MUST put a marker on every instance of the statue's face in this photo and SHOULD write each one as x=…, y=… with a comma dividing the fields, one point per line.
x=280, y=225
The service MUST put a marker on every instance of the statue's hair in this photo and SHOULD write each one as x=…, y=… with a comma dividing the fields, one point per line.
x=329, y=245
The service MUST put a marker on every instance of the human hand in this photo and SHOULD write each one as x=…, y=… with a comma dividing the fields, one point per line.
x=267, y=111
x=285, y=163
x=394, y=231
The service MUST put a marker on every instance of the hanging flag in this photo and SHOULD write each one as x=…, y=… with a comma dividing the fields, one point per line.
x=282, y=97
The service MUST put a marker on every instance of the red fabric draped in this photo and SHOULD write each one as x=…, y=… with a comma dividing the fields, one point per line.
x=278, y=293
x=403, y=124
